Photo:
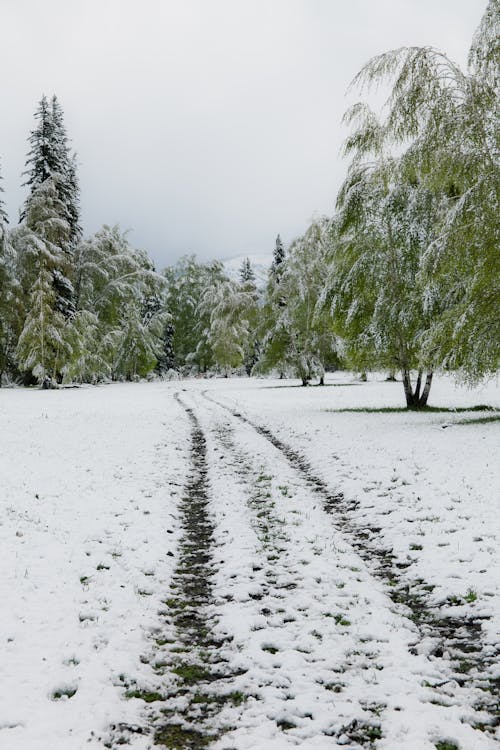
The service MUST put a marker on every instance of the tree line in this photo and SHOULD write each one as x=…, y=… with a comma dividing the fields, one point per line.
x=404, y=276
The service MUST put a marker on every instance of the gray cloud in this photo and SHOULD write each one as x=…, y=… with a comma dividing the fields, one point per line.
x=205, y=126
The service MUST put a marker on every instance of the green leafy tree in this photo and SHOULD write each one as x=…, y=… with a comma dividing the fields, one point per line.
x=448, y=121
x=385, y=223
x=230, y=307
x=187, y=282
x=299, y=339
x=120, y=315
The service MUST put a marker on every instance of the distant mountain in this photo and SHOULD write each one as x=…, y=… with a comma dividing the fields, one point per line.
x=260, y=264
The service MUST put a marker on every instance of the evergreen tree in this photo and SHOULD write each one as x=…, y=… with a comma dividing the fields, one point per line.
x=42, y=348
x=8, y=290
x=67, y=185
x=274, y=335
x=166, y=356
x=278, y=257
x=251, y=342
x=40, y=258
x=3, y=213
x=49, y=157
x=247, y=274
x=49, y=160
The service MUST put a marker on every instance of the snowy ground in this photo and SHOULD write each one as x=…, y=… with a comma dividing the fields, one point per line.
x=247, y=564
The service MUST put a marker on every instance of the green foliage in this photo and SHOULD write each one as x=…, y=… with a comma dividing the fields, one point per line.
x=449, y=118
x=384, y=225
x=186, y=285
x=121, y=317
x=229, y=307
x=42, y=345
x=298, y=336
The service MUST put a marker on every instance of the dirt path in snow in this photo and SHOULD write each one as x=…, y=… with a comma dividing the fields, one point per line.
x=201, y=674
x=454, y=640
x=286, y=626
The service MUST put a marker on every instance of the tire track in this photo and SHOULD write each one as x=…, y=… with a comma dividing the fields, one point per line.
x=194, y=678
x=284, y=582
x=444, y=638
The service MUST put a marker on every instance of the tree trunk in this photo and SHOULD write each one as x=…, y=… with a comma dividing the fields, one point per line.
x=418, y=385
x=406, y=377
x=427, y=387
x=415, y=400
x=322, y=380
x=304, y=381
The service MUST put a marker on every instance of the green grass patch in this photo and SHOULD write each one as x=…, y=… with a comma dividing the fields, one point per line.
x=420, y=409
x=191, y=673
x=479, y=420
x=177, y=737
x=148, y=696
x=341, y=620
x=164, y=641
x=470, y=596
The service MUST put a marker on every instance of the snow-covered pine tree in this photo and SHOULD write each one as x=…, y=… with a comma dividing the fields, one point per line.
x=278, y=257
x=42, y=349
x=247, y=274
x=40, y=255
x=7, y=291
x=251, y=343
x=273, y=334
x=166, y=355
x=49, y=159
x=67, y=185
x=50, y=156
x=3, y=213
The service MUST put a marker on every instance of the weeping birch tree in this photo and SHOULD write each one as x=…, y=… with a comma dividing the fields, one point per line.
x=386, y=220
x=230, y=307
x=447, y=119
x=299, y=336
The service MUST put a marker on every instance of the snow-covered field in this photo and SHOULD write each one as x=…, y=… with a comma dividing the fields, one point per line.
x=249, y=564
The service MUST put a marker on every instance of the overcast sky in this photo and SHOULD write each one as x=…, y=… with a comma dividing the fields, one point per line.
x=204, y=126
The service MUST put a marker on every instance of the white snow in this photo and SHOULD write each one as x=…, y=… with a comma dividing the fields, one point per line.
x=91, y=479
x=85, y=503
